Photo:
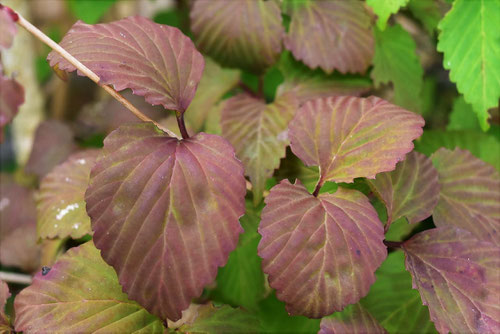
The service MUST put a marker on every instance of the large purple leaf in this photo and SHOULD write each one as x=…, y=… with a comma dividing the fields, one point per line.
x=61, y=203
x=243, y=33
x=11, y=97
x=165, y=213
x=154, y=60
x=320, y=252
x=457, y=277
x=334, y=35
x=354, y=319
x=470, y=194
x=349, y=137
x=17, y=226
x=8, y=28
x=258, y=133
x=80, y=294
x=411, y=190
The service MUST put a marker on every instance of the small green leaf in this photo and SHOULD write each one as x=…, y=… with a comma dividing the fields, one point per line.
x=89, y=11
x=384, y=9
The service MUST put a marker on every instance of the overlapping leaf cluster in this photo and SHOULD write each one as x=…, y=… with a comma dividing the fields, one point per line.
x=170, y=225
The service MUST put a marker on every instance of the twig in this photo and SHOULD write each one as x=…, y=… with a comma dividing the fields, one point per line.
x=15, y=278
x=84, y=69
x=393, y=244
x=182, y=125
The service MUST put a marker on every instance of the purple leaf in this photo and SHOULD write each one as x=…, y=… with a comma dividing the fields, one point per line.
x=61, y=203
x=165, y=213
x=349, y=137
x=8, y=28
x=154, y=60
x=52, y=145
x=457, y=277
x=80, y=294
x=258, y=133
x=320, y=252
x=4, y=295
x=354, y=319
x=243, y=33
x=17, y=226
x=411, y=190
x=470, y=194
x=334, y=35
x=11, y=97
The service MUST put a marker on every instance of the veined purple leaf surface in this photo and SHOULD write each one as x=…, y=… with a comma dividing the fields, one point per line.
x=8, y=28
x=165, y=213
x=243, y=33
x=154, y=60
x=80, y=294
x=470, y=194
x=17, y=226
x=457, y=277
x=334, y=35
x=349, y=137
x=52, y=145
x=411, y=190
x=258, y=133
x=354, y=319
x=61, y=199
x=11, y=97
x=320, y=252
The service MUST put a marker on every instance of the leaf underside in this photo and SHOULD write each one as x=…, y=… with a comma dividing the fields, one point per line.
x=154, y=60
x=354, y=319
x=320, y=252
x=457, y=277
x=163, y=213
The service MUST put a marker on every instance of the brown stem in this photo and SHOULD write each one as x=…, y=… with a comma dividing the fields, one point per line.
x=84, y=69
x=260, y=90
x=393, y=244
x=318, y=188
x=246, y=89
x=182, y=125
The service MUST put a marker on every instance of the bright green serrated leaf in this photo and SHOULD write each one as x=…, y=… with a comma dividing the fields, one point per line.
x=384, y=9
x=470, y=40
x=396, y=61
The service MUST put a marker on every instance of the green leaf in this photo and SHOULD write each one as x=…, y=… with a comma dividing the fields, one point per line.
x=393, y=302
x=483, y=146
x=89, y=11
x=462, y=116
x=427, y=12
x=80, y=293
x=396, y=61
x=470, y=41
x=384, y=9
x=241, y=280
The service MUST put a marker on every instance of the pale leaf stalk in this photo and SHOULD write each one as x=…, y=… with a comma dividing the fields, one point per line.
x=15, y=278
x=87, y=72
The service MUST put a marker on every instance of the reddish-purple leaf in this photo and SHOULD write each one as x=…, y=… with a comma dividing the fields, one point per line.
x=80, y=294
x=258, y=132
x=165, y=213
x=354, y=319
x=154, y=60
x=411, y=190
x=457, y=277
x=243, y=33
x=4, y=320
x=8, y=28
x=11, y=97
x=52, y=145
x=349, y=137
x=61, y=200
x=17, y=226
x=320, y=252
x=334, y=35
x=470, y=194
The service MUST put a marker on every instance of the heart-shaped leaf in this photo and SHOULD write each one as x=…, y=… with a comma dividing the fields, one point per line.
x=8, y=28
x=165, y=213
x=331, y=34
x=61, y=200
x=11, y=97
x=258, y=133
x=470, y=194
x=154, y=60
x=80, y=294
x=243, y=33
x=354, y=319
x=320, y=252
x=411, y=190
x=349, y=137
x=457, y=277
